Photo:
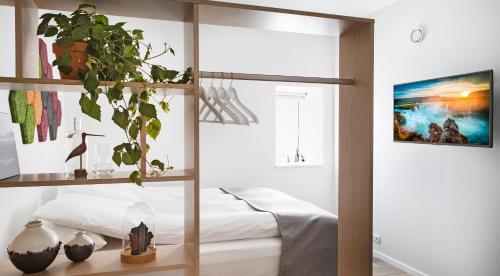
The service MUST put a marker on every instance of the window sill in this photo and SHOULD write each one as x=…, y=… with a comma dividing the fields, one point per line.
x=298, y=165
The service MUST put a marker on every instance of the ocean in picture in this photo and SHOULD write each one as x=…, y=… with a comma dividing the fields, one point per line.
x=452, y=110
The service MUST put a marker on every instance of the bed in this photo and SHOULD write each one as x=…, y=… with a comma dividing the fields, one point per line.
x=236, y=238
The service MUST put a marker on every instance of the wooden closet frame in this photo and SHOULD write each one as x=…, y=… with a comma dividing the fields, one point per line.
x=356, y=37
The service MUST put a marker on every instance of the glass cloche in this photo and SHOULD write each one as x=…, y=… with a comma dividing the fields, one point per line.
x=138, y=240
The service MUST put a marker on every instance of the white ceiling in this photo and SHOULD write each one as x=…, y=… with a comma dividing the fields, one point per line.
x=361, y=8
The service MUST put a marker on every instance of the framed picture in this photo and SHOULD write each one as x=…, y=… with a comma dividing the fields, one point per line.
x=456, y=110
x=9, y=164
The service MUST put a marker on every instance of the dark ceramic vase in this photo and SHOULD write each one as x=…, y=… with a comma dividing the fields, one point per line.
x=34, y=249
x=80, y=247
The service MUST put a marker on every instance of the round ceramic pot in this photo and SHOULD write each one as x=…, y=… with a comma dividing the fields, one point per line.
x=80, y=247
x=78, y=58
x=34, y=248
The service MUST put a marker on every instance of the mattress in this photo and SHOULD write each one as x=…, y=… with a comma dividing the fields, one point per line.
x=250, y=257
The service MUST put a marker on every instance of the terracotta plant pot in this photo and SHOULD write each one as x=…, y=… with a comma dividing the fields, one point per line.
x=78, y=58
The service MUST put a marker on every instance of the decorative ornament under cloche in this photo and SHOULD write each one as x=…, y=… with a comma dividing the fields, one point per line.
x=35, y=248
x=138, y=244
x=80, y=247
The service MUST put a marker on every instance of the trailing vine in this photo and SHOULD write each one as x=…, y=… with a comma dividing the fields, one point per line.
x=114, y=55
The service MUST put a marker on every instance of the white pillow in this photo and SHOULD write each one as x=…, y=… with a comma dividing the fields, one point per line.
x=126, y=192
x=67, y=233
x=223, y=217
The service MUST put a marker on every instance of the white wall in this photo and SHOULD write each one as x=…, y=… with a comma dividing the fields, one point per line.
x=436, y=207
x=235, y=156
x=240, y=156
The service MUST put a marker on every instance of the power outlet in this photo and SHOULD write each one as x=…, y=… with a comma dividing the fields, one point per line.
x=377, y=239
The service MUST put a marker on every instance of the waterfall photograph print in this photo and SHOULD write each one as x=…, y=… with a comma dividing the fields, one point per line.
x=454, y=110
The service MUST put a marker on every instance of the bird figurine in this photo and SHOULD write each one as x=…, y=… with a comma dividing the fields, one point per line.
x=79, y=151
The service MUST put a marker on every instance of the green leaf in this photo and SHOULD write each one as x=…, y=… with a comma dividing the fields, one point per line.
x=90, y=83
x=156, y=73
x=133, y=152
x=51, y=31
x=101, y=19
x=165, y=106
x=128, y=51
x=134, y=177
x=66, y=69
x=147, y=110
x=48, y=16
x=97, y=32
x=153, y=128
x=171, y=51
x=81, y=19
x=121, y=118
x=138, y=34
x=65, y=42
x=144, y=96
x=116, y=92
x=62, y=21
x=64, y=60
x=42, y=27
x=159, y=164
x=134, y=128
x=127, y=160
x=80, y=33
x=117, y=158
x=136, y=153
x=90, y=107
x=133, y=99
x=120, y=147
x=171, y=74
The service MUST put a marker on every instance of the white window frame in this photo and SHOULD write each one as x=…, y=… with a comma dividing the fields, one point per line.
x=313, y=101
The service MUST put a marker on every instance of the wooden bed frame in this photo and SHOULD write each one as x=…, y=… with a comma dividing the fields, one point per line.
x=356, y=36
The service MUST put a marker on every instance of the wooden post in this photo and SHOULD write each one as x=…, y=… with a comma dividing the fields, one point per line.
x=191, y=142
x=356, y=151
x=27, y=56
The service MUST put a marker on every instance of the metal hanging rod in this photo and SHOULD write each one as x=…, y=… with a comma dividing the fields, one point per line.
x=278, y=78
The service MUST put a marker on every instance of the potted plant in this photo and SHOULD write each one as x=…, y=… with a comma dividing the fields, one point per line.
x=73, y=35
x=94, y=50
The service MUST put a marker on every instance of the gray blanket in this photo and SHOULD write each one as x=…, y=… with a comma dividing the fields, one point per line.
x=308, y=233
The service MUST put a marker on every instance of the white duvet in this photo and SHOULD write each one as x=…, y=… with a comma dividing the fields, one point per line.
x=101, y=209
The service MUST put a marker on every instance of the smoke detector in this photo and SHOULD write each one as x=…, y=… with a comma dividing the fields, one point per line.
x=417, y=35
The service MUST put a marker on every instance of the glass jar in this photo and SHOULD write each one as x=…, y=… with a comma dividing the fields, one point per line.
x=102, y=160
x=139, y=226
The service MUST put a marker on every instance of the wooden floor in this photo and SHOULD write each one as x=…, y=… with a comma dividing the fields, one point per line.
x=380, y=268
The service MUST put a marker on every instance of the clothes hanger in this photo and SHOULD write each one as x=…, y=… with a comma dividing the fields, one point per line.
x=226, y=99
x=211, y=108
x=212, y=92
x=233, y=95
x=210, y=102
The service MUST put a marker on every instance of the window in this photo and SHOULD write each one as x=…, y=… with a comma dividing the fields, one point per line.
x=299, y=126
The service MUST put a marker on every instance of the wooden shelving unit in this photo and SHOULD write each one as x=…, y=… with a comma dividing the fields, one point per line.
x=62, y=179
x=169, y=257
x=77, y=86
x=355, y=116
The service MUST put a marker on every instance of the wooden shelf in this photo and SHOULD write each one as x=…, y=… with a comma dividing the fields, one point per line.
x=168, y=257
x=8, y=83
x=62, y=179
